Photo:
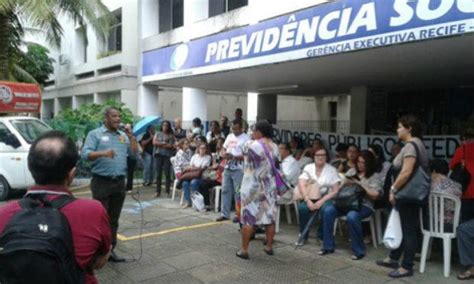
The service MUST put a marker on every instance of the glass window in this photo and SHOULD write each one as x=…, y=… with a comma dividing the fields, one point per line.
x=217, y=7
x=171, y=14
x=114, y=41
x=30, y=129
x=8, y=141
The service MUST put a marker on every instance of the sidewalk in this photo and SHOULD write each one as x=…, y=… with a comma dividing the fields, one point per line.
x=185, y=246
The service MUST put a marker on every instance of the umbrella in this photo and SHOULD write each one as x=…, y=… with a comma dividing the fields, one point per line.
x=141, y=126
x=306, y=227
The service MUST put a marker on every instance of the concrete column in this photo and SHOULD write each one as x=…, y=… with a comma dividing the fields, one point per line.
x=75, y=102
x=358, y=109
x=195, y=10
x=148, y=100
x=149, y=18
x=98, y=99
x=194, y=104
x=252, y=109
x=57, y=106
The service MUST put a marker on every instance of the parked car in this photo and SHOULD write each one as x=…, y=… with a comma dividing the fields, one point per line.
x=16, y=136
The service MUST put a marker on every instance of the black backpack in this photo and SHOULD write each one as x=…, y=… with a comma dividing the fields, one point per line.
x=36, y=245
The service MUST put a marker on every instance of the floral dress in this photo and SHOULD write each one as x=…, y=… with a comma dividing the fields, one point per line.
x=258, y=191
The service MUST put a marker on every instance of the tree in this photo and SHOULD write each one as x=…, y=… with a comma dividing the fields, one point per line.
x=43, y=14
x=76, y=123
x=37, y=63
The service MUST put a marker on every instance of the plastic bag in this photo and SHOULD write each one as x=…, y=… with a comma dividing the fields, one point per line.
x=392, y=237
x=198, y=201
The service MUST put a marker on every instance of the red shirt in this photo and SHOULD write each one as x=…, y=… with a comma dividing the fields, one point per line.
x=89, y=224
x=469, y=162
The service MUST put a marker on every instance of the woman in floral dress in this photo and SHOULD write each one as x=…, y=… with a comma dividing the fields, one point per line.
x=258, y=192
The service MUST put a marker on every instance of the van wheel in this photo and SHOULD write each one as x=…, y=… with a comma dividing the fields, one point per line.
x=4, y=189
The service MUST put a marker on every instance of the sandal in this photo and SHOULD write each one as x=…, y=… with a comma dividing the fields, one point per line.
x=242, y=255
x=466, y=275
x=357, y=257
x=268, y=251
x=389, y=264
x=325, y=251
x=398, y=274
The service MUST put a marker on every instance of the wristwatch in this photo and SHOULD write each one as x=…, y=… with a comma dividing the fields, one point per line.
x=393, y=189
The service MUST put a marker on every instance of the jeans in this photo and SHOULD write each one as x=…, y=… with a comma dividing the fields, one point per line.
x=163, y=164
x=148, y=168
x=305, y=214
x=354, y=219
x=410, y=221
x=232, y=179
x=189, y=186
x=465, y=239
x=111, y=193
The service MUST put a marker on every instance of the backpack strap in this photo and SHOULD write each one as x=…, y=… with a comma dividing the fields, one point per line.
x=61, y=201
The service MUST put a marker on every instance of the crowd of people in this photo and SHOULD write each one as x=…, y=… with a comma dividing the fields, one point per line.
x=242, y=165
x=256, y=174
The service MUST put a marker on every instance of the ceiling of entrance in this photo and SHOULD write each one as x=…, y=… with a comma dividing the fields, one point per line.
x=429, y=64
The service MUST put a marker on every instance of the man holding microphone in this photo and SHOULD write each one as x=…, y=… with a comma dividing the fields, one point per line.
x=108, y=147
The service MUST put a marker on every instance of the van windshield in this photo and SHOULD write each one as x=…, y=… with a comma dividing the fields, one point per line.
x=30, y=129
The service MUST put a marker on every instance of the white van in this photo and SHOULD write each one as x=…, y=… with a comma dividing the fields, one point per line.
x=16, y=135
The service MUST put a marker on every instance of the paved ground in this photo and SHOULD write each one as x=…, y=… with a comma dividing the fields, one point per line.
x=185, y=246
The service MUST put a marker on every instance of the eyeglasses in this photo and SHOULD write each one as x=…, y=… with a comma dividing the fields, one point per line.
x=320, y=155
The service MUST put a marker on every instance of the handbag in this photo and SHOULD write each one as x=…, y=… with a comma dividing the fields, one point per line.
x=460, y=173
x=191, y=174
x=209, y=174
x=392, y=238
x=314, y=190
x=417, y=188
x=349, y=198
x=281, y=186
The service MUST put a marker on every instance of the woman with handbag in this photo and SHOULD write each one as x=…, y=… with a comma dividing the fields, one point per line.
x=365, y=179
x=164, y=150
x=312, y=184
x=191, y=176
x=259, y=188
x=412, y=161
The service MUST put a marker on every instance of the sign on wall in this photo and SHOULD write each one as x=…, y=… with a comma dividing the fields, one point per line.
x=438, y=146
x=19, y=97
x=337, y=27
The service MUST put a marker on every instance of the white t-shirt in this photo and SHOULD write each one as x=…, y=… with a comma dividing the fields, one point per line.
x=234, y=145
x=328, y=177
x=291, y=169
x=199, y=161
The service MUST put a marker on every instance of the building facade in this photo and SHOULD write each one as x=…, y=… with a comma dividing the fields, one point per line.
x=345, y=66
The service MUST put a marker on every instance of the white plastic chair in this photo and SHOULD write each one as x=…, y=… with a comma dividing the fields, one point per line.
x=378, y=223
x=217, y=193
x=288, y=215
x=369, y=219
x=175, y=185
x=436, y=228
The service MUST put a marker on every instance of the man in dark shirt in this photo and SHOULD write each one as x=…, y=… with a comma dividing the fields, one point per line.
x=179, y=132
x=225, y=128
x=148, y=160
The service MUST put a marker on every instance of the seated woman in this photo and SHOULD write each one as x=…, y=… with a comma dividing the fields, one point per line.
x=365, y=176
x=313, y=183
x=214, y=176
x=199, y=162
x=182, y=157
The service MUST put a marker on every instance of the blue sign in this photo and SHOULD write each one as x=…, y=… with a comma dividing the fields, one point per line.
x=331, y=28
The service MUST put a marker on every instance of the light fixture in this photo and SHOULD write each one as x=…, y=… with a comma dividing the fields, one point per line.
x=275, y=89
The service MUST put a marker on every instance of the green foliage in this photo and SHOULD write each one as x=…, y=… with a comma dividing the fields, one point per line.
x=37, y=63
x=76, y=123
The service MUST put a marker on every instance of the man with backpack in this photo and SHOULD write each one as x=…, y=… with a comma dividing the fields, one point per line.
x=49, y=236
